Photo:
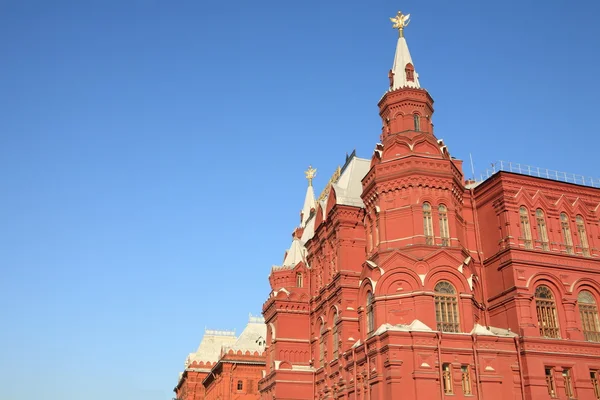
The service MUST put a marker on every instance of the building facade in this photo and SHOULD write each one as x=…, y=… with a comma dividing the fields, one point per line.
x=225, y=366
x=404, y=280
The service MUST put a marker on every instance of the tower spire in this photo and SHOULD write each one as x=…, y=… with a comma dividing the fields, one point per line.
x=403, y=72
x=309, y=200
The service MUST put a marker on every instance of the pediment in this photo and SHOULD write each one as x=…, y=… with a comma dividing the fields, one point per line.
x=444, y=257
x=395, y=259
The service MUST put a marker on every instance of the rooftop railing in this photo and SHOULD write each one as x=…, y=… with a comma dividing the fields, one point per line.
x=522, y=169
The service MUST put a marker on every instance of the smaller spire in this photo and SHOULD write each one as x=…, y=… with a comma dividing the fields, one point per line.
x=309, y=199
x=403, y=72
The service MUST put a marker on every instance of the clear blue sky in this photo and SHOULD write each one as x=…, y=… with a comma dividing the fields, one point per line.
x=152, y=155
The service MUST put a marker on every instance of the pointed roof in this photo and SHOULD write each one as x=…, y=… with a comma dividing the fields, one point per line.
x=402, y=57
x=295, y=254
x=309, y=204
x=309, y=199
x=309, y=231
x=210, y=346
x=253, y=338
x=348, y=187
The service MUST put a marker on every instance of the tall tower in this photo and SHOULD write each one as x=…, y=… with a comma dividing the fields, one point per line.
x=414, y=196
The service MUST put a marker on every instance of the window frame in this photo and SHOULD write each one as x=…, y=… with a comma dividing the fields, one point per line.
x=540, y=217
x=582, y=233
x=428, y=224
x=550, y=381
x=240, y=385
x=417, y=122
x=370, y=312
x=546, y=312
x=299, y=279
x=444, y=228
x=322, y=331
x=447, y=378
x=465, y=376
x=567, y=375
x=525, y=227
x=567, y=235
x=336, y=336
x=447, y=315
x=588, y=313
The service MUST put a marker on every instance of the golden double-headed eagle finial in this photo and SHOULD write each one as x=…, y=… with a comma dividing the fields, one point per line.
x=400, y=21
x=310, y=174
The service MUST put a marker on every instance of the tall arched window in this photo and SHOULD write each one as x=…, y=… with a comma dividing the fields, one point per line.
x=299, y=280
x=322, y=343
x=417, y=121
x=427, y=224
x=446, y=307
x=444, y=231
x=542, y=230
x=525, y=228
x=370, y=316
x=589, y=316
x=336, y=336
x=566, y=232
x=546, y=312
x=583, y=242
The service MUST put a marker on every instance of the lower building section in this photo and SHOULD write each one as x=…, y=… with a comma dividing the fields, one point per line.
x=414, y=362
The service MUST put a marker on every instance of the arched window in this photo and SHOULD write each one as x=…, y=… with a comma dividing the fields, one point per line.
x=525, y=228
x=299, y=280
x=542, y=231
x=589, y=316
x=566, y=232
x=322, y=343
x=427, y=224
x=240, y=385
x=446, y=307
x=410, y=72
x=583, y=242
x=546, y=312
x=370, y=316
x=336, y=336
x=444, y=231
x=417, y=121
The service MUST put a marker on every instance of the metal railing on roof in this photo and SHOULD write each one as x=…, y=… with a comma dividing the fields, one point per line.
x=523, y=169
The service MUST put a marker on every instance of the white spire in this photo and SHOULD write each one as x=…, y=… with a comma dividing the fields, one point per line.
x=309, y=203
x=403, y=72
x=309, y=199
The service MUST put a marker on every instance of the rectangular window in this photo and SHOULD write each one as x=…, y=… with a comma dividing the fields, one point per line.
x=550, y=382
x=447, y=378
x=568, y=380
x=594, y=375
x=466, y=379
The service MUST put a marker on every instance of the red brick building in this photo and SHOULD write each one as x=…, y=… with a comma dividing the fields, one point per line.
x=225, y=366
x=406, y=281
